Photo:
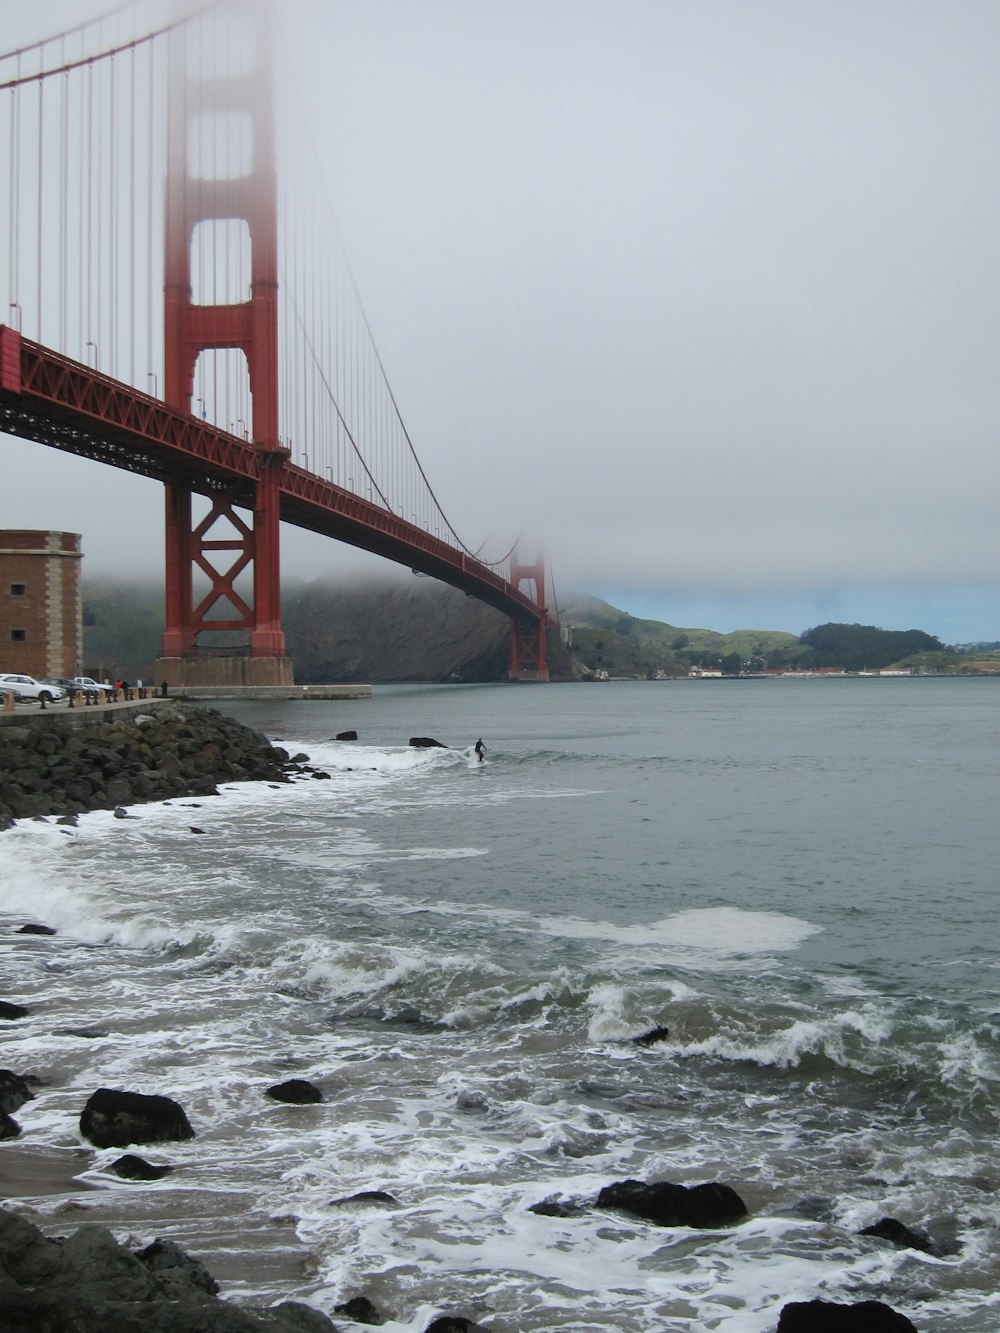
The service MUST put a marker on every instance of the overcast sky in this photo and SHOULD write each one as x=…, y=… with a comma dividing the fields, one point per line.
x=705, y=293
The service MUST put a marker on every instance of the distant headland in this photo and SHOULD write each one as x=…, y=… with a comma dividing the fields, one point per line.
x=426, y=632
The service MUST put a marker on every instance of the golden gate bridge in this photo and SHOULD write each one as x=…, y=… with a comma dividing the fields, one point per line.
x=179, y=306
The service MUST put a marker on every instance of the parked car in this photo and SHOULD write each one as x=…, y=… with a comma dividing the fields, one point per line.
x=26, y=687
x=86, y=683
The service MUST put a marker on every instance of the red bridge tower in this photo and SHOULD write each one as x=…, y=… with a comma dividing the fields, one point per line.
x=250, y=326
x=528, y=647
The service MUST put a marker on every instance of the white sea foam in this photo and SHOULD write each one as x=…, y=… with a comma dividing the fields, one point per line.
x=787, y=1046
x=717, y=931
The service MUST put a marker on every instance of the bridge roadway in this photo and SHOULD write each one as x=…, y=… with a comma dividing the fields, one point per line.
x=50, y=398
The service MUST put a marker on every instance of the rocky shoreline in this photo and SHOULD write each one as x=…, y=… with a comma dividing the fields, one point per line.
x=53, y=766
x=88, y=1280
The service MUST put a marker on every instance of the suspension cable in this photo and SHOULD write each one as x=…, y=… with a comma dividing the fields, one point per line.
x=304, y=121
x=68, y=32
x=100, y=56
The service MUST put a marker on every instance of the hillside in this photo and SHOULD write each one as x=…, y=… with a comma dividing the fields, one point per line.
x=606, y=639
x=420, y=630
x=415, y=630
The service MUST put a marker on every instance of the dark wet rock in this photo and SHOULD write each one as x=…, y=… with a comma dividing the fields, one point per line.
x=196, y=830
x=708, y=1205
x=454, y=1323
x=118, y=793
x=364, y=1196
x=651, y=1037
x=114, y=1119
x=91, y=1034
x=891, y=1229
x=829, y=1317
x=9, y=1128
x=88, y=1282
x=557, y=1208
x=471, y=1100
x=33, y=928
x=426, y=743
x=347, y=736
x=299, y=758
x=70, y=820
x=165, y=1254
x=295, y=1317
x=133, y=1167
x=14, y=1090
x=10, y=1010
x=296, y=1091
x=319, y=774
x=361, y=1310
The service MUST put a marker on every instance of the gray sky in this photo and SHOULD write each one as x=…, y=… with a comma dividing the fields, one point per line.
x=704, y=293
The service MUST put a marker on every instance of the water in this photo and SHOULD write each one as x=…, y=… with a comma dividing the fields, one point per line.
x=798, y=879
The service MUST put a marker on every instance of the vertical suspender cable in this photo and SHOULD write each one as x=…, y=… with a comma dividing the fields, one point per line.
x=150, y=81
x=81, y=194
x=100, y=296
x=63, y=200
x=131, y=219
x=90, y=204
x=112, y=303
x=14, y=200
x=40, y=214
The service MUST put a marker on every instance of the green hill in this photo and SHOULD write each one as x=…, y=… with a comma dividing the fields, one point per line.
x=603, y=638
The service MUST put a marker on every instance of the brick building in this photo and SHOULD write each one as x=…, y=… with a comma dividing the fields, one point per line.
x=41, y=611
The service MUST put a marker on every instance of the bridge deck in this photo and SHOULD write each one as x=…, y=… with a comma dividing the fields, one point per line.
x=47, y=397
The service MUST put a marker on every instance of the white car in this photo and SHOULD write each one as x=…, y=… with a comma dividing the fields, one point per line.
x=26, y=687
x=86, y=683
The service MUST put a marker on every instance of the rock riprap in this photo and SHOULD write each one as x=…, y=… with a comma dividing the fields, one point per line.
x=173, y=750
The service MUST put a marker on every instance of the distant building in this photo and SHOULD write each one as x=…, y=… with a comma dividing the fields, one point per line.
x=41, y=611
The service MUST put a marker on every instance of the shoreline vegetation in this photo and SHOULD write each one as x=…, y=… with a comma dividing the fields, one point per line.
x=87, y=1280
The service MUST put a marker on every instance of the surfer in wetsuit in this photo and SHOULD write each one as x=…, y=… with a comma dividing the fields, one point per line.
x=480, y=749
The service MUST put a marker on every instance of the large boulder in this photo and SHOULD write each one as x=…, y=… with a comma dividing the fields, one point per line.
x=830, y=1317
x=114, y=1119
x=296, y=1091
x=426, y=743
x=708, y=1205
